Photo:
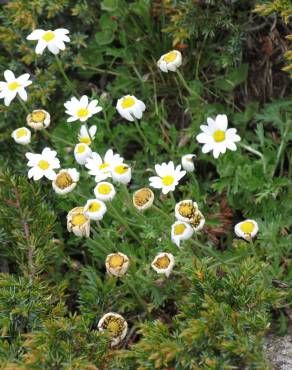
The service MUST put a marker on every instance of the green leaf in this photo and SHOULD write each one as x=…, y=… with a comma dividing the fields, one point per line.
x=109, y=5
x=232, y=79
x=105, y=37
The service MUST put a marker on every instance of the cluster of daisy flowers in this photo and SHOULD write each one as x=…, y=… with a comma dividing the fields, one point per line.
x=216, y=137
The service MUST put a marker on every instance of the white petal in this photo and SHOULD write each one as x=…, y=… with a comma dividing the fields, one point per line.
x=23, y=94
x=203, y=138
x=53, y=48
x=41, y=45
x=222, y=122
x=35, y=35
x=9, y=76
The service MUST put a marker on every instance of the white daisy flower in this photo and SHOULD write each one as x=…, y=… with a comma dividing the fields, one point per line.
x=53, y=40
x=130, y=107
x=168, y=177
x=163, y=263
x=115, y=325
x=104, y=191
x=121, y=173
x=101, y=168
x=43, y=164
x=84, y=137
x=38, y=119
x=170, y=61
x=21, y=135
x=94, y=209
x=181, y=231
x=78, y=223
x=246, y=229
x=13, y=86
x=117, y=264
x=187, y=162
x=143, y=199
x=81, y=109
x=82, y=152
x=216, y=137
x=65, y=181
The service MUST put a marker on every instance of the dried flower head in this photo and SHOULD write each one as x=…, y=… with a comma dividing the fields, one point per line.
x=117, y=264
x=115, y=325
x=143, y=199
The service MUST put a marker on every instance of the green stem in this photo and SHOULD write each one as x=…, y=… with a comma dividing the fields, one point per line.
x=186, y=86
x=63, y=73
x=282, y=146
x=49, y=135
x=123, y=222
x=135, y=293
x=22, y=103
x=254, y=151
x=141, y=133
x=164, y=214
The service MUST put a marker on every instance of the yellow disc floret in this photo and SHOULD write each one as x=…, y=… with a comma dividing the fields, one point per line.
x=78, y=219
x=116, y=260
x=94, y=207
x=179, y=229
x=247, y=227
x=170, y=57
x=63, y=180
x=104, y=189
x=162, y=262
x=128, y=102
x=167, y=180
x=44, y=165
x=21, y=133
x=38, y=116
x=83, y=112
x=48, y=36
x=80, y=149
x=13, y=85
x=85, y=140
x=219, y=136
x=121, y=169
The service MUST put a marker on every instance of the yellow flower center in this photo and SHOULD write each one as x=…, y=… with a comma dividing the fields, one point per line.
x=128, y=102
x=187, y=210
x=85, y=140
x=116, y=260
x=162, y=262
x=83, y=112
x=94, y=207
x=179, y=229
x=247, y=227
x=49, y=36
x=114, y=325
x=167, y=180
x=170, y=57
x=80, y=149
x=63, y=180
x=21, y=132
x=13, y=85
x=142, y=196
x=44, y=165
x=121, y=169
x=38, y=116
x=103, y=166
x=78, y=220
x=104, y=189
x=219, y=136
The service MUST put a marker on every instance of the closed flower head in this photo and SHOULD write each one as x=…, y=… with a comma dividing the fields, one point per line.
x=65, y=181
x=117, y=264
x=181, y=231
x=84, y=136
x=38, y=119
x=170, y=61
x=94, y=209
x=115, y=326
x=143, y=199
x=130, y=107
x=81, y=153
x=163, y=263
x=21, y=135
x=187, y=162
x=78, y=223
x=247, y=229
x=104, y=191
